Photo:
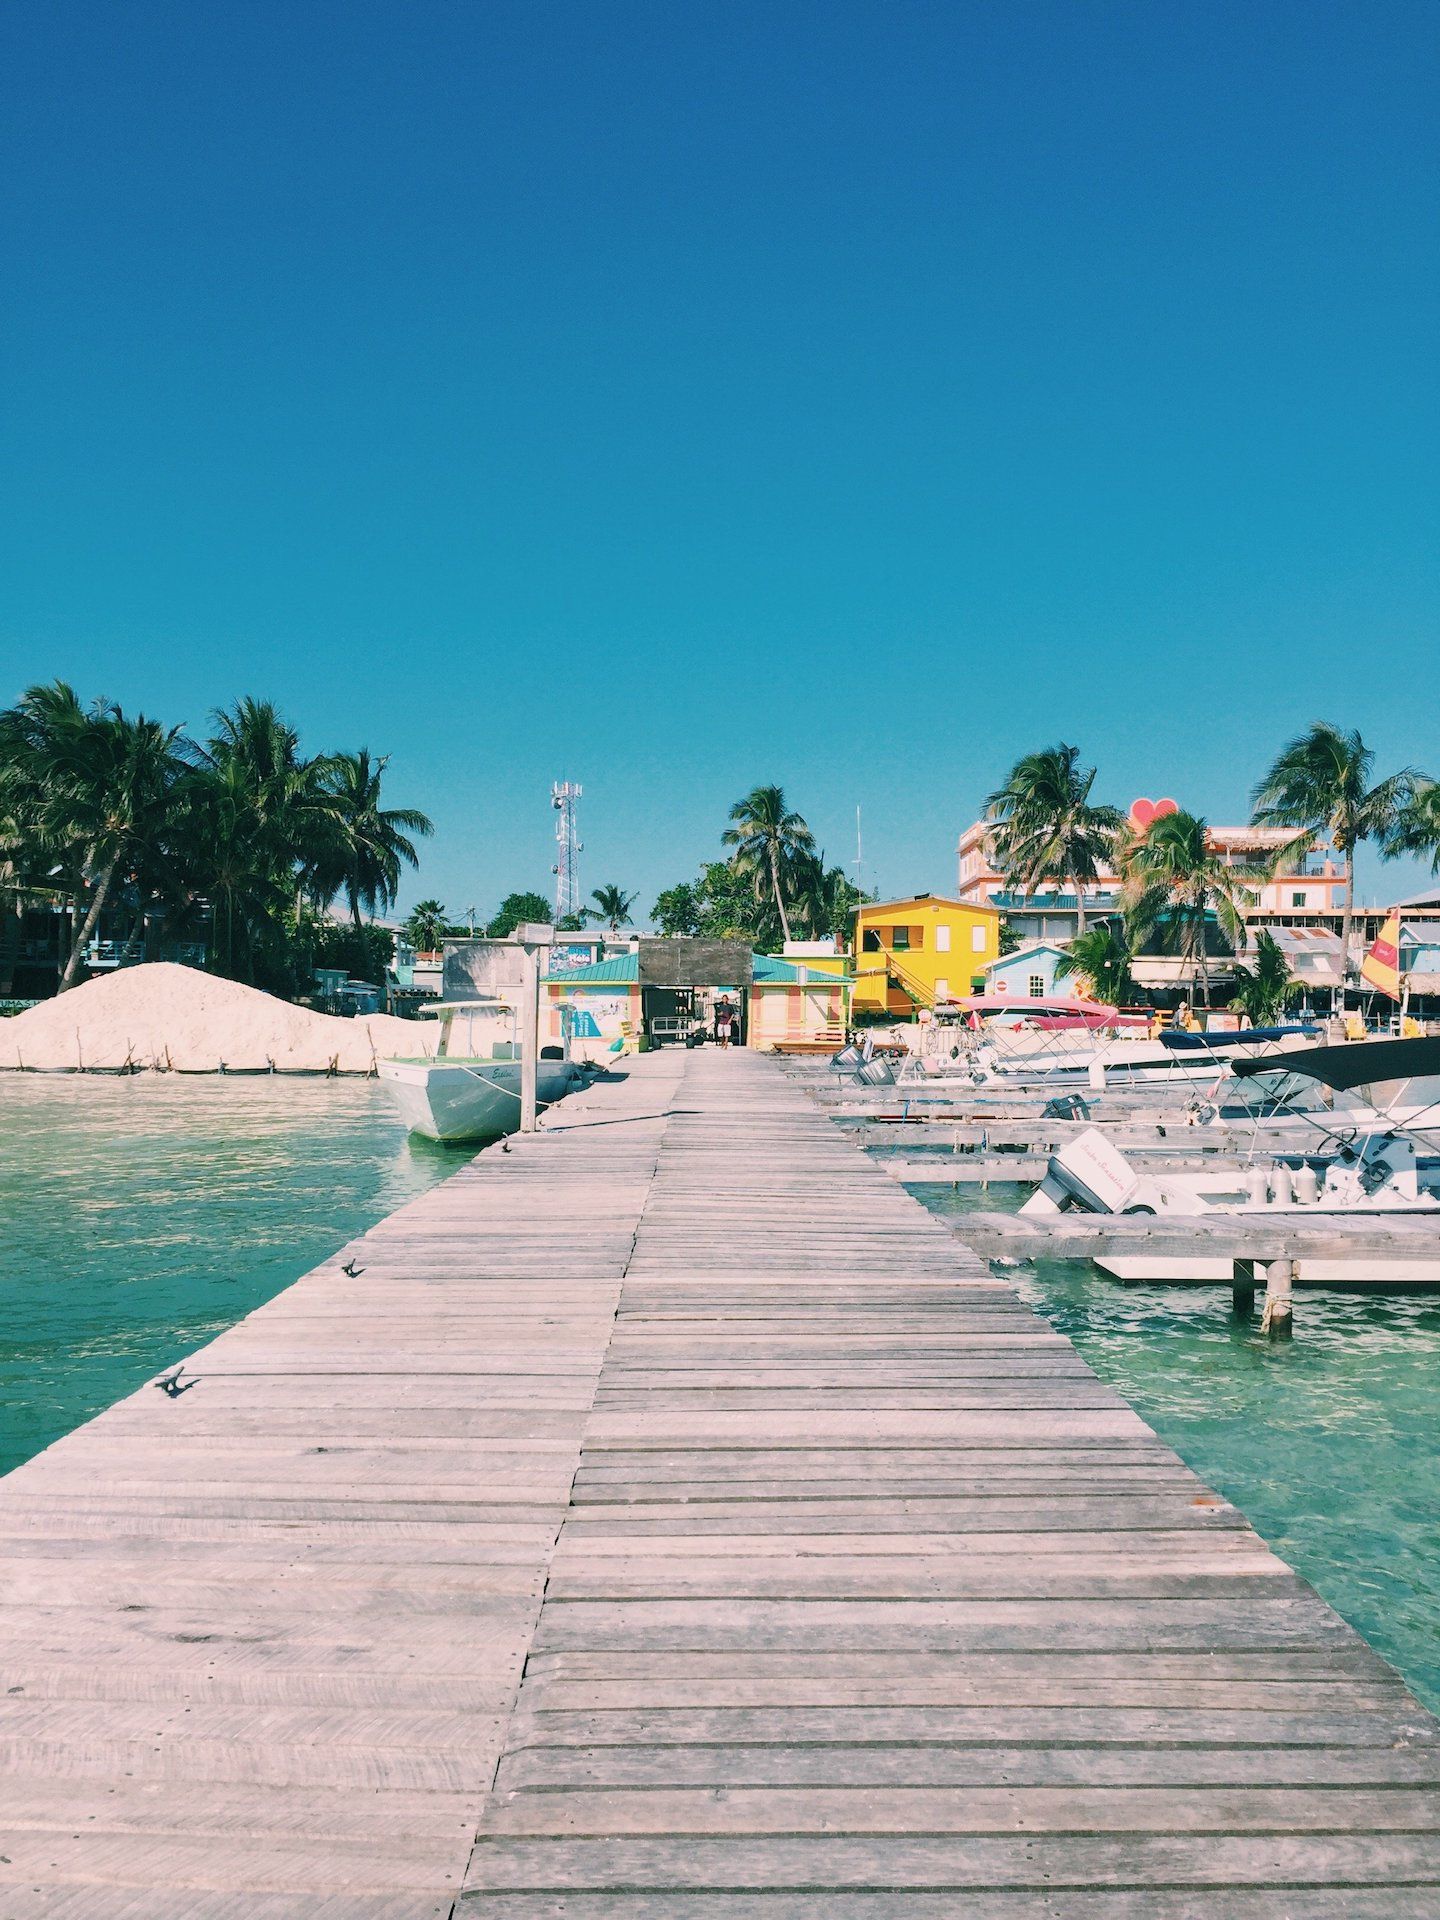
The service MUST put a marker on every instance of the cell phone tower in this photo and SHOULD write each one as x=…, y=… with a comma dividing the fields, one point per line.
x=563, y=796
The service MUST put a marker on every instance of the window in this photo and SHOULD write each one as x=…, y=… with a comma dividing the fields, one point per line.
x=871, y=941
x=977, y=939
x=1037, y=986
x=942, y=989
x=1297, y=899
x=942, y=939
x=900, y=939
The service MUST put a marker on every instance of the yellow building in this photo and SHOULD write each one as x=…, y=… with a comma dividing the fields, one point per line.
x=909, y=954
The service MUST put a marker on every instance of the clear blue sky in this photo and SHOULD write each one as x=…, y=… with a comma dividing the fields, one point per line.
x=679, y=397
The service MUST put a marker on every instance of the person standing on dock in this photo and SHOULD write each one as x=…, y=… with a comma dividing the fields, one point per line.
x=724, y=1023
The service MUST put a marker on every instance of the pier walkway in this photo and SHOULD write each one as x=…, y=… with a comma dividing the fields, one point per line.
x=673, y=1521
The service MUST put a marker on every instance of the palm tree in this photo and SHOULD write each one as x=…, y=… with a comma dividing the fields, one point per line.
x=365, y=843
x=1263, y=990
x=103, y=789
x=20, y=862
x=425, y=928
x=1173, y=878
x=1045, y=826
x=1417, y=827
x=612, y=906
x=255, y=825
x=1321, y=783
x=42, y=847
x=1100, y=959
x=825, y=896
x=767, y=837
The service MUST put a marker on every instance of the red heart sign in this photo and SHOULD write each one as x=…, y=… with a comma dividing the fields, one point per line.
x=1142, y=812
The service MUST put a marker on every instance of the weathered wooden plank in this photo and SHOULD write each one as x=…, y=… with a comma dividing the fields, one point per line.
x=1035, y=1862
x=1134, y=1807
x=1139, y=1765
x=1148, y=1902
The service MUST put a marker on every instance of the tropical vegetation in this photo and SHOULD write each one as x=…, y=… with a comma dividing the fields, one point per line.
x=1264, y=986
x=611, y=907
x=427, y=925
x=776, y=884
x=1323, y=783
x=515, y=910
x=1045, y=828
x=1099, y=959
x=1174, y=882
x=235, y=842
x=1046, y=831
x=770, y=843
x=1417, y=826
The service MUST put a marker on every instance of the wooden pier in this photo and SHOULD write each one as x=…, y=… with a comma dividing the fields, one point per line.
x=672, y=1520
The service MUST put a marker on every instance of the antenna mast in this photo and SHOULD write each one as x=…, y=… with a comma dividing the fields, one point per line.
x=563, y=796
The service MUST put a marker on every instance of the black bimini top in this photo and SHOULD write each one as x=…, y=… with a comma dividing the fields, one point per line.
x=1181, y=1040
x=1363, y=1063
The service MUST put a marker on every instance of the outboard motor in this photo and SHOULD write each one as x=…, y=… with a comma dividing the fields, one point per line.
x=1090, y=1174
x=1066, y=1106
x=876, y=1073
x=847, y=1060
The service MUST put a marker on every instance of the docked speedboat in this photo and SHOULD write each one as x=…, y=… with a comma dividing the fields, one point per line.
x=1025, y=1057
x=1370, y=1163
x=468, y=1087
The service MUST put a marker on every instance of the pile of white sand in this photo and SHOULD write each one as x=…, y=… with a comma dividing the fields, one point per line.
x=167, y=1016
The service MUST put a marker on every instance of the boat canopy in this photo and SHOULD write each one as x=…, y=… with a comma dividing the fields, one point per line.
x=1362, y=1063
x=1180, y=1040
x=1057, y=1003
x=1054, y=1014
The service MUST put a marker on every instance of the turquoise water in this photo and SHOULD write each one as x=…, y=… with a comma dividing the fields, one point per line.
x=1329, y=1444
x=140, y=1217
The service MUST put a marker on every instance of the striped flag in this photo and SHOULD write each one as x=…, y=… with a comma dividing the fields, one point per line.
x=1381, y=965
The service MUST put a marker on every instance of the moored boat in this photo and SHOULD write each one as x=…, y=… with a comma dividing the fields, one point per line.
x=1366, y=1168
x=473, y=1094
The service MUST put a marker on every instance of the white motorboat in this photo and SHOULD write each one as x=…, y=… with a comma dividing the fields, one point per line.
x=471, y=1091
x=1369, y=1168
x=1115, y=1060
x=1017, y=1046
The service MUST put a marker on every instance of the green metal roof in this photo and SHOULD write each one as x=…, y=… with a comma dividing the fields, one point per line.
x=621, y=970
x=771, y=971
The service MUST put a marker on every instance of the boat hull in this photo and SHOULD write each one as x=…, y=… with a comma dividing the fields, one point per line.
x=463, y=1100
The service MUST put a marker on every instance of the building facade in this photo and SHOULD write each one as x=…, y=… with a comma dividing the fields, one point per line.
x=1307, y=895
x=608, y=1007
x=910, y=954
x=1031, y=973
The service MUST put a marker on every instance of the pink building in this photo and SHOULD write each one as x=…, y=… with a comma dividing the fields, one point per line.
x=1310, y=892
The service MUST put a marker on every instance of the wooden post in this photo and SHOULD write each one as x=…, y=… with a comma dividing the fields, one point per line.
x=529, y=1034
x=1242, y=1290
x=1277, y=1320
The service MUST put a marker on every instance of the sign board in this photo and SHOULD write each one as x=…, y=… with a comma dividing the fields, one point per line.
x=695, y=963
x=476, y=968
x=569, y=956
